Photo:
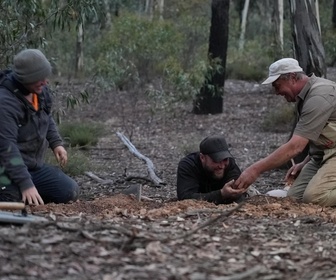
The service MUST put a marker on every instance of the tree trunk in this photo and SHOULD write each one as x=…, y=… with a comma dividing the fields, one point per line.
x=243, y=25
x=278, y=25
x=334, y=14
x=307, y=38
x=210, y=99
x=161, y=8
x=315, y=6
x=79, y=50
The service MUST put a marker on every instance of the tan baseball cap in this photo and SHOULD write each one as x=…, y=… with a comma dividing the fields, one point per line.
x=282, y=66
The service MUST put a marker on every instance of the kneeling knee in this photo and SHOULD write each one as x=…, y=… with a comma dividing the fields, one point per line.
x=308, y=198
x=75, y=192
x=316, y=198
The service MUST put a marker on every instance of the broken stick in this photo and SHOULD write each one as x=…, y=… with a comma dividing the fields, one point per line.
x=150, y=166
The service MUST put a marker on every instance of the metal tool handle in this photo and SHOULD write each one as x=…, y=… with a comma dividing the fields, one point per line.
x=11, y=205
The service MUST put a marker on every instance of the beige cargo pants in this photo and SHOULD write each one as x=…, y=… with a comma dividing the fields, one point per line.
x=316, y=183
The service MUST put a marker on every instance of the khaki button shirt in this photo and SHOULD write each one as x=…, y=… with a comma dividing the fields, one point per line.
x=316, y=110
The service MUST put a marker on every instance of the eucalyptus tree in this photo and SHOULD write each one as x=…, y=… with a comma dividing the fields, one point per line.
x=279, y=22
x=30, y=23
x=307, y=39
x=243, y=24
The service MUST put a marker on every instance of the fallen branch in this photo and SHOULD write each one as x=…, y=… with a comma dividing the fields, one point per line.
x=130, y=178
x=150, y=166
x=219, y=218
x=97, y=179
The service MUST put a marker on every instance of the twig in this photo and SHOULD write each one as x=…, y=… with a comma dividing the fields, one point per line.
x=150, y=166
x=96, y=178
x=130, y=178
x=221, y=217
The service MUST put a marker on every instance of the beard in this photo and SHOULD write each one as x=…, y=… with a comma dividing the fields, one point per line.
x=216, y=174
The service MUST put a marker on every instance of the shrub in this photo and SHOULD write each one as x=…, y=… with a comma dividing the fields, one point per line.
x=81, y=135
x=249, y=64
x=138, y=43
x=78, y=161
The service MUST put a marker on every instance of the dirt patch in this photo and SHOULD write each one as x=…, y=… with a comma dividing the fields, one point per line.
x=108, y=235
x=127, y=206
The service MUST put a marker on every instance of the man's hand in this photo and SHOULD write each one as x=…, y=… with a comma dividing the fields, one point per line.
x=247, y=178
x=32, y=197
x=293, y=172
x=229, y=191
x=61, y=155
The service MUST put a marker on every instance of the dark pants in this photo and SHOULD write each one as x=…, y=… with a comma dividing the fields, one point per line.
x=51, y=183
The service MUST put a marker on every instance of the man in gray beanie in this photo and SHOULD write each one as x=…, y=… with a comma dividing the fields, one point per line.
x=27, y=129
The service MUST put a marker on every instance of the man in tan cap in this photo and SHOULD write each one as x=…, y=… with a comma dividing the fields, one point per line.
x=27, y=129
x=315, y=177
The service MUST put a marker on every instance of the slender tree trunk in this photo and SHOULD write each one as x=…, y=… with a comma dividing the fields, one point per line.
x=79, y=50
x=315, y=6
x=243, y=25
x=210, y=99
x=161, y=8
x=307, y=38
x=278, y=20
x=106, y=23
x=334, y=15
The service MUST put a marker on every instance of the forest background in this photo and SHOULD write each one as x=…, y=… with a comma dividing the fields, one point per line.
x=158, y=50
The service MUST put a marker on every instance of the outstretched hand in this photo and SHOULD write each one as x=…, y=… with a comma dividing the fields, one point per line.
x=248, y=177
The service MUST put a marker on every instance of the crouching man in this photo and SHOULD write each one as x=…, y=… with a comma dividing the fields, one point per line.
x=27, y=129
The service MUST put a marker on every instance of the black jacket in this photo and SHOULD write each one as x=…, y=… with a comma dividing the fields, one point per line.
x=25, y=134
x=194, y=183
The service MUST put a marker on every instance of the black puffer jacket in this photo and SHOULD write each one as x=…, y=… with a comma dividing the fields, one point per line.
x=25, y=134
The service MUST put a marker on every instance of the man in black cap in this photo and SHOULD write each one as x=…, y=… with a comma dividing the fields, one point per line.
x=27, y=129
x=209, y=174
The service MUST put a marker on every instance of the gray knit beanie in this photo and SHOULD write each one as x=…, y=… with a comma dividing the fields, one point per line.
x=31, y=66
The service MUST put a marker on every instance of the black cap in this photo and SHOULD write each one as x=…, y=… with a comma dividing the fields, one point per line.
x=215, y=147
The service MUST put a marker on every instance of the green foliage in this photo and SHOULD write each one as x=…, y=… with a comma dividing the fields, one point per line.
x=250, y=64
x=328, y=33
x=182, y=86
x=78, y=161
x=81, y=135
x=19, y=29
x=279, y=119
x=329, y=39
x=135, y=47
x=115, y=71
